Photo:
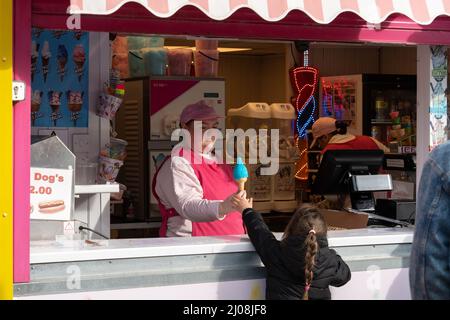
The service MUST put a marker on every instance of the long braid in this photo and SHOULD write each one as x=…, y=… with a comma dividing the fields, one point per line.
x=311, y=251
x=307, y=221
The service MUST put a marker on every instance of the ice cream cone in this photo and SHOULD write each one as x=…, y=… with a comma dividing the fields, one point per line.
x=33, y=67
x=62, y=61
x=62, y=69
x=79, y=57
x=45, y=67
x=241, y=182
x=75, y=107
x=79, y=69
x=35, y=107
x=55, y=112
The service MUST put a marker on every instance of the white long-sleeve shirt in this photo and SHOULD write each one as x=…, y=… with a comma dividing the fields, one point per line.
x=178, y=187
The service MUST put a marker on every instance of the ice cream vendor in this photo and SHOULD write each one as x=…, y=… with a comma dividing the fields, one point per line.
x=331, y=134
x=194, y=191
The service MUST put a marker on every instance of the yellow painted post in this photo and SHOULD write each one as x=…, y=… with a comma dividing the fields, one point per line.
x=6, y=150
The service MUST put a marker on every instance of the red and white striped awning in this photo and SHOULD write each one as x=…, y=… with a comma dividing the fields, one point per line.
x=322, y=11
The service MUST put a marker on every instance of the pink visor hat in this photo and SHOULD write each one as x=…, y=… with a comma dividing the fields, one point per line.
x=198, y=111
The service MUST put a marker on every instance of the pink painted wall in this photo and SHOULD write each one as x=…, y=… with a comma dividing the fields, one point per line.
x=22, y=128
x=189, y=21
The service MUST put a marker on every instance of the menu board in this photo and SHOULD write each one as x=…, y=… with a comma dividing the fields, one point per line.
x=59, y=78
x=51, y=194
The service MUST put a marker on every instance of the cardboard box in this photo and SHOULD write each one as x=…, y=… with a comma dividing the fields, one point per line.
x=345, y=220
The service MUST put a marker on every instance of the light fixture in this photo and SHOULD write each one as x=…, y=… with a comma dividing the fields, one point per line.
x=221, y=49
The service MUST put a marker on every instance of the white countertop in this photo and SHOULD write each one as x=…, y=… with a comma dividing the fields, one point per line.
x=77, y=250
x=97, y=188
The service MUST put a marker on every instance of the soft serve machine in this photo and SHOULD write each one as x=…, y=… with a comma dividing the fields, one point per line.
x=269, y=192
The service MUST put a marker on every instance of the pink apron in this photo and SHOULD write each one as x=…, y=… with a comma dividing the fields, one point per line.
x=217, y=183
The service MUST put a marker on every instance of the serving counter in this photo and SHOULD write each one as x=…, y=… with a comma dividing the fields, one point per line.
x=223, y=267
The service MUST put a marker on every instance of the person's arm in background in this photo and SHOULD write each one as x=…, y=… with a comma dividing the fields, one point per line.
x=381, y=146
x=430, y=256
x=179, y=188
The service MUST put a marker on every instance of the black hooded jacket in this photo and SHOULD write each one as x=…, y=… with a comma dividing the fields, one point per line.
x=285, y=263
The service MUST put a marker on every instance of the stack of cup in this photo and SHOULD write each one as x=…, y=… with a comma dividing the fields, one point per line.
x=108, y=169
x=180, y=61
x=111, y=159
x=108, y=105
x=119, y=49
x=135, y=59
x=154, y=56
x=206, y=58
x=155, y=61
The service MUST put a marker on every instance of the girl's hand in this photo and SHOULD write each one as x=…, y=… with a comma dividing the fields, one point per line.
x=241, y=203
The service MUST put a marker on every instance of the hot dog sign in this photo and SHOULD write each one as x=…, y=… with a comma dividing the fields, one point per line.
x=51, y=194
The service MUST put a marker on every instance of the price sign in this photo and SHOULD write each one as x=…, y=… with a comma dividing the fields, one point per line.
x=51, y=194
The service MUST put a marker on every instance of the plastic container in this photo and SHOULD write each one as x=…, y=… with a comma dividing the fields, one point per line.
x=120, y=63
x=136, y=65
x=180, y=61
x=137, y=43
x=206, y=44
x=283, y=119
x=85, y=173
x=206, y=63
x=155, y=42
x=108, y=106
x=155, y=61
x=118, y=149
x=108, y=169
x=253, y=115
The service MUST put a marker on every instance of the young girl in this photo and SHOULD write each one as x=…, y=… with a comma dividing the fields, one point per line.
x=300, y=265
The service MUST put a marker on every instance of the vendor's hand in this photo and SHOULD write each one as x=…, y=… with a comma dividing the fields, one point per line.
x=226, y=206
x=241, y=203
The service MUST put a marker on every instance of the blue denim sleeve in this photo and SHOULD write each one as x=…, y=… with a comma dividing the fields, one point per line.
x=430, y=256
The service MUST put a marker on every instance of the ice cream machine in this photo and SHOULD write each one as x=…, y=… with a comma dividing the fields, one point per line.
x=276, y=191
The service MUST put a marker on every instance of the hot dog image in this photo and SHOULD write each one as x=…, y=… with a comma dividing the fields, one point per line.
x=51, y=206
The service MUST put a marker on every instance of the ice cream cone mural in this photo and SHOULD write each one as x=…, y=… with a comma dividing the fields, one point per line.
x=79, y=57
x=34, y=57
x=54, y=99
x=59, y=70
x=62, y=61
x=74, y=104
x=45, y=57
x=36, y=100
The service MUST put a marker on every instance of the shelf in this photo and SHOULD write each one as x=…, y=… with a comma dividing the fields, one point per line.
x=97, y=188
x=381, y=123
x=386, y=122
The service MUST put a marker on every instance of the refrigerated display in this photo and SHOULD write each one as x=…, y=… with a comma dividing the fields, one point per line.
x=378, y=105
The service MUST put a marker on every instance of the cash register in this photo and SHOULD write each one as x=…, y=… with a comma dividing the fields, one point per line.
x=354, y=174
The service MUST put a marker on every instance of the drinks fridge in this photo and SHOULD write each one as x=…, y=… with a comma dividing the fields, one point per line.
x=378, y=105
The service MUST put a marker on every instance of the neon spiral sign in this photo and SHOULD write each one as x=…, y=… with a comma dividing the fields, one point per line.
x=304, y=82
